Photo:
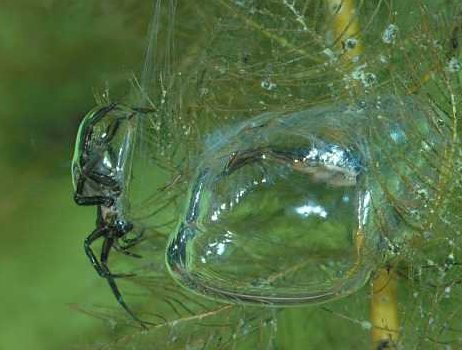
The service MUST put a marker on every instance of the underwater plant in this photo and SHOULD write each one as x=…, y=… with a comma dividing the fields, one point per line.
x=294, y=153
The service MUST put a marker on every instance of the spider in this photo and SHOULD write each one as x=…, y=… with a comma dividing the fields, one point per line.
x=100, y=169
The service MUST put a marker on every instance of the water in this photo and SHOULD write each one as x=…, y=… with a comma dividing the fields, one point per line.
x=352, y=169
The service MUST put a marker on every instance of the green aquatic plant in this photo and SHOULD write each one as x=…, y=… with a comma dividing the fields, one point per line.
x=212, y=72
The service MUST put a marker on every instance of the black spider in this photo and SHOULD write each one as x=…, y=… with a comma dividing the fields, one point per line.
x=100, y=169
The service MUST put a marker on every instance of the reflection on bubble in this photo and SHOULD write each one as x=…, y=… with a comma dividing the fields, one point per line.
x=293, y=209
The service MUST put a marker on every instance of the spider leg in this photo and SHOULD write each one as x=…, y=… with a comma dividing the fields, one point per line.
x=107, y=245
x=103, y=179
x=111, y=130
x=94, y=200
x=123, y=244
x=98, y=233
x=99, y=267
x=130, y=242
x=123, y=250
x=89, y=168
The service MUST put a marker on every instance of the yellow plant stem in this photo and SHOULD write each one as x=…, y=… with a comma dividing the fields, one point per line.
x=346, y=26
x=384, y=310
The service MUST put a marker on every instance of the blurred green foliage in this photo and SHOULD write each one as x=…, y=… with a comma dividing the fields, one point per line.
x=53, y=54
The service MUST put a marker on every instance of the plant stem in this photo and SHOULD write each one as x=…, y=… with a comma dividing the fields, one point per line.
x=384, y=310
x=346, y=26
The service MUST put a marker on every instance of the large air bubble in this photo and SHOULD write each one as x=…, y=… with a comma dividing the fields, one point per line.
x=299, y=208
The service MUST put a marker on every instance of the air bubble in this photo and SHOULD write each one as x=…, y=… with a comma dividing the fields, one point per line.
x=350, y=43
x=383, y=59
x=366, y=325
x=104, y=140
x=268, y=220
x=367, y=79
x=390, y=34
x=268, y=85
x=454, y=65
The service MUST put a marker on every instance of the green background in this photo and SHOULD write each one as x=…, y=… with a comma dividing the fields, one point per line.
x=52, y=54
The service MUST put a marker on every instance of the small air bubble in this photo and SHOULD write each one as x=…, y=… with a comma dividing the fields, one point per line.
x=415, y=214
x=383, y=59
x=203, y=92
x=422, y=193
x=427, y=235
x=350, y=43
x=355, y=59
x=366, y=78
x=369, y=79
x=329, y=53
x=366, y=325
x=186, y=130
x=390, y=33
x=454, y=65
x=437, y=45
x=268, y=85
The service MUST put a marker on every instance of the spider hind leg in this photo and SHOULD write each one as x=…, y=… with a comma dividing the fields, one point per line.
x=107, y=246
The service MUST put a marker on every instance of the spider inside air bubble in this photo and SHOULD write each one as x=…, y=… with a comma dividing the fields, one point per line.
x=100, y=171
